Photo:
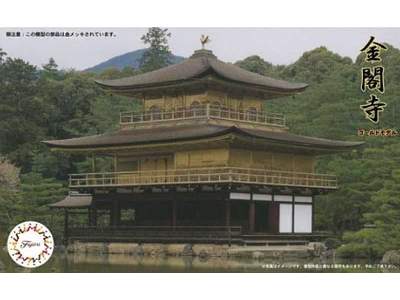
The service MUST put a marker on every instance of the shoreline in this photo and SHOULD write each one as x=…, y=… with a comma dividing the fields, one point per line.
x=310, y=250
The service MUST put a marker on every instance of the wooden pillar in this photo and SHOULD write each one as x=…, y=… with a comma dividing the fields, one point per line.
x=228, y=212
x=115, y=160
x=115, y=213
x=92, y=216
x=312, y=214
x=252, y=216
x=174, y=213
x=95, y=217
x=293, y=212
x=93, y=163
x=273, y=217
x=66, y=220
x=271, y=220
x=118, y=213
x=228, y=219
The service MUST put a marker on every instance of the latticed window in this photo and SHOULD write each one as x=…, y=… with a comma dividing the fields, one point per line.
x=195, y=108
x=155, y=113
x=252, y=114
x=216, y=104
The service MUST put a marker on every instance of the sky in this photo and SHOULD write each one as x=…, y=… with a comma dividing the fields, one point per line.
x=276, y=45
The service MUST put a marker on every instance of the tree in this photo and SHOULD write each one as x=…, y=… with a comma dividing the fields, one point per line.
x=22, y=112
x=2, y=55
x=27, y=197
x=158, y=54
x=383, y=231
x=50, y=70
x=367, y=178
x=36, y=195
x=9, y=174
x=315, y=66
x=55, y=104
x=115, y=73
x=256, y=64
x=9, y=185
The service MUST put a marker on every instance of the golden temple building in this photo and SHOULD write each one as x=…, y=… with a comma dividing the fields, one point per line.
x=201, y=162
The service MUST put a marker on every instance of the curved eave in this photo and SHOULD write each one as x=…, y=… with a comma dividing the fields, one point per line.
x=286, y=138
x=193, y=69
x=74, y=201
x=279, y=140
x=139, y=89
x=63, y=144
x=284, y=146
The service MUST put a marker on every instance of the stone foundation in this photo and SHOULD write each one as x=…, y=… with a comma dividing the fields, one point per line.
x=209, y=250
x=124, y=248
x=197, y=250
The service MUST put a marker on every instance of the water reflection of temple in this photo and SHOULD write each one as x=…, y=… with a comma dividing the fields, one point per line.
x=202, y=162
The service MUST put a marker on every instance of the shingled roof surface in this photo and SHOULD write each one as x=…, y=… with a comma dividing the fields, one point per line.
x=200, y=63
x=191, y=132
x=73, y=201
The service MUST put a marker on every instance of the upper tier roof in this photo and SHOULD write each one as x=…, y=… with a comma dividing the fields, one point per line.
x=194, y=69
x=144, y=136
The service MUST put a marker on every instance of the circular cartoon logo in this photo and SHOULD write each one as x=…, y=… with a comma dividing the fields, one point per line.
x=30, y=244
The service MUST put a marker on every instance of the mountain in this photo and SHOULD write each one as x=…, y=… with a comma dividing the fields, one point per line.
x=131, y=59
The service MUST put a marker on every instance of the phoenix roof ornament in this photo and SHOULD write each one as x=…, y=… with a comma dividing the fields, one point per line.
x=204, y=39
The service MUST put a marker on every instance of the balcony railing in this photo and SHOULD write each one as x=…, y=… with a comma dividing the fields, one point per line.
x=203, y=176
x=203, y=112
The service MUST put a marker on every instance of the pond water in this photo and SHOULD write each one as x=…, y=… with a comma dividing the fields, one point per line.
x=74, y=262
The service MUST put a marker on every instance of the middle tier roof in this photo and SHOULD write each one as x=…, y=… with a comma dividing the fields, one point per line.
x=200, y=133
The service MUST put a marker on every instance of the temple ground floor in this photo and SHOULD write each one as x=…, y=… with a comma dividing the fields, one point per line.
x=193, y=216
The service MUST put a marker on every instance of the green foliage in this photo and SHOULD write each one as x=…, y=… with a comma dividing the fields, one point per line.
x=42, y=105
x=45, y=104
x=19, y=101
x=50, y=70
x=256, y=64
x=158, y=54
x=368, y=178
x=31, y=202
x=8, y=208
x=332, y=243
x=52, y=104
x=315, y=66
x=382, y=217
x=2, y=55
x=114, y=73
x=9, y=174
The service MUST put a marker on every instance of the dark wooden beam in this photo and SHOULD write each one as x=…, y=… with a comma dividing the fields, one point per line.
x=293, y=212
x=252, y=216
x=273, y=216
x=66, y=226
x=115, y=213
x=228, y=212
x=174, y=212
x=312, y=214
x=92, y=214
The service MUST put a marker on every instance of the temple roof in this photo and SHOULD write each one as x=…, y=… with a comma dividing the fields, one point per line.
x=73, y=201
x=202, y=63
x=143, y=136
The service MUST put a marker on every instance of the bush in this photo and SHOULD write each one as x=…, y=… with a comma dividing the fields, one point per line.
x=354, y=250
x=332, y=243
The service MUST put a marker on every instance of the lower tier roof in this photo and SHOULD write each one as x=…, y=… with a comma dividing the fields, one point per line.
x=74, y=201
x=145, y=136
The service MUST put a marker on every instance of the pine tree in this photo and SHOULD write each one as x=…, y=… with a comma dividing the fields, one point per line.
x=2, y=55
x=51, y=69
x=158, y=54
